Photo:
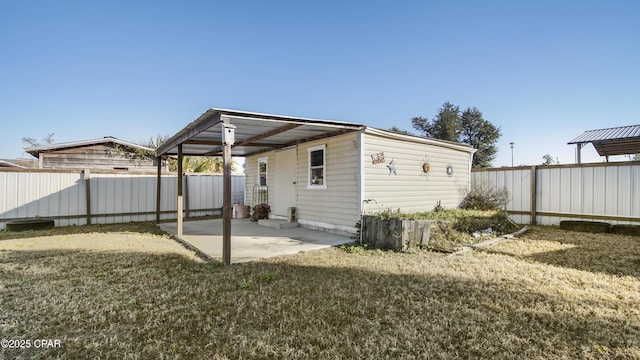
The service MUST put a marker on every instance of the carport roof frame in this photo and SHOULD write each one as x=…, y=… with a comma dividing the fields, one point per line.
x=255, y=133
x=621, y=140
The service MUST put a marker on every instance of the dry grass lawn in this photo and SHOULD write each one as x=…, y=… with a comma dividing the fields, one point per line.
x=109, y=294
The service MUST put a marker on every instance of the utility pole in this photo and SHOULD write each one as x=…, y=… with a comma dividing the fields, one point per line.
x=511, y=143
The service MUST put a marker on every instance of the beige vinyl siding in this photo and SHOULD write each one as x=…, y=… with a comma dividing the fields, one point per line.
x=251, y=176
x=337, y=204
x=411, y=190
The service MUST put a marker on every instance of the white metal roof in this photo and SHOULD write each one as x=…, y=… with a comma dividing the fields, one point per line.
x=612, y=141
x=254, y=133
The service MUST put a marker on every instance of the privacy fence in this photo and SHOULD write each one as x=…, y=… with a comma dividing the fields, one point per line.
x=548, y=194
x=77, y=198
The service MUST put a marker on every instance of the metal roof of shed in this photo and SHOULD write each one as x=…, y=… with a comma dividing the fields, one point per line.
x=621, y=140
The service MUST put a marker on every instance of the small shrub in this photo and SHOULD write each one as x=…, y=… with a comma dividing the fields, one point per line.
x=485, y=197
x=355, y=248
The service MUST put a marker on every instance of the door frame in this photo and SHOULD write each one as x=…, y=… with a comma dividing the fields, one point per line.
x=285, y=183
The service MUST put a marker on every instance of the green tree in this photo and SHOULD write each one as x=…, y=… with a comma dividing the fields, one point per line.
x=481, y=134
x=154, y=143
x=397, y=130
x=548, y=160
x=445, y=126
x=467, y=127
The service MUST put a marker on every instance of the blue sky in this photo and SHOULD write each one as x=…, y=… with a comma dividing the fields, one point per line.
x=543, y=71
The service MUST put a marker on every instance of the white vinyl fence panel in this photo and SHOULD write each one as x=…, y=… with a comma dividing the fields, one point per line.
x=40, y=194
x=113, y=198
x=516, y=181
x=607, y=192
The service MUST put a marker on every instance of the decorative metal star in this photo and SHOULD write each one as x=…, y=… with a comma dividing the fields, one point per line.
x=392, y=168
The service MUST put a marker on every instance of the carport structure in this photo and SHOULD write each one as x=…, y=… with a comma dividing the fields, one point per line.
x=623, y=140
x=227, y=133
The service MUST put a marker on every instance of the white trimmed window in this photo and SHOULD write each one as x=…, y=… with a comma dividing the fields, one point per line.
x=317, y=160
x=262, y=171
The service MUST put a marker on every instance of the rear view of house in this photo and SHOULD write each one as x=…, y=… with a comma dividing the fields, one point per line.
x=328, y=172
x=331, y=180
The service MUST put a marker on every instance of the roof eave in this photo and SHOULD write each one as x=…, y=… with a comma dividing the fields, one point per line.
x=423, y=140
x=208, y=119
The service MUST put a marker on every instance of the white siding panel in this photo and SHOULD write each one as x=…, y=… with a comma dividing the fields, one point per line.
x=335, y=207
x=525, y=190
x=565, y=190
x=598, y=190
x=574, y=188
x=588, y=197
x=634, y=183
x=611, y=190
x=623, y=195
x=251, y=177
x=411, y=190
x=338, y=203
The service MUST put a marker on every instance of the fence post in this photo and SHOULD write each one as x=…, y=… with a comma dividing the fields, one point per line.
x=534, y=187
x=158, y=189
x=87, y=186
x=186, y=195
x=180, y=202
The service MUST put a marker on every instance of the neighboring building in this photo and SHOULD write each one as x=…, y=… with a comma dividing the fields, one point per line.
x=11, y=164
x=107, y=153
x=623, y=140
x=331, y=171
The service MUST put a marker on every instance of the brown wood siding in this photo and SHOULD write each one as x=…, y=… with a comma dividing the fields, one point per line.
x=96, y=157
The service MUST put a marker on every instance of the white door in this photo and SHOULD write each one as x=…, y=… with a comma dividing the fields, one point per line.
x=285, y=181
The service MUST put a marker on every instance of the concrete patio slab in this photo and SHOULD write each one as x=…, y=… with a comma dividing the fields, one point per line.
x=250, y=241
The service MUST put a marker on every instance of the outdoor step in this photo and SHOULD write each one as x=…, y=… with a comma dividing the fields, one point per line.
x=277, y=223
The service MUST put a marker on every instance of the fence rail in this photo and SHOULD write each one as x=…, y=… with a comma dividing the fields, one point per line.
x=549, y=194
x=71, y=198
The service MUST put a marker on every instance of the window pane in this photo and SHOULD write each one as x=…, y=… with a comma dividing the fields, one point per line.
x=262, y=173
x=317, y=158
x=317, y=176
